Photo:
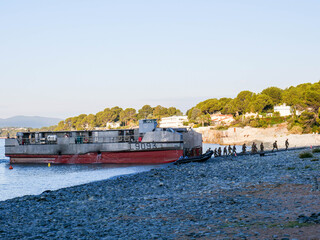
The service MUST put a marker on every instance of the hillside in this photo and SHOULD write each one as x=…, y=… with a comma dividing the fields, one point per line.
x=29, y=121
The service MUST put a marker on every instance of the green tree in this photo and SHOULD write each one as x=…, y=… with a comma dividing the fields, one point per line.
x=107, y=115
x=127, y=115
x=74, y=121
x=318, y=117
x=116, y=110
x=213, y=105
x=195, y=113
x=209, y=106
x=61, y=126
x=145, y=112
x=263, y=103
x=160, y=112
x=100, y=119
x=313, y=99
x=230, y=107
x=307, y=121
x=81, y=123
x=90, y=122
x=68, y=123
x=172, y=111
x=295, y=96
x=224, y=101
x=204, y=118
x=274, y=93
x=189, y=112
x=243, y=101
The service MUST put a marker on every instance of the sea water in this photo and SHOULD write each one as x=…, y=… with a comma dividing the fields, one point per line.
x=33, y=179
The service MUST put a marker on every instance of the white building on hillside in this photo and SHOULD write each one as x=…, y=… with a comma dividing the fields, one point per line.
x=221, y=119
x=251, y=115
x=174, y=121
x=113, y=124
x=283, y=109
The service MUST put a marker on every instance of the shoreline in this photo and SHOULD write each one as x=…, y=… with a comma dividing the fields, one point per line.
x=232, y=197
x=248, y=135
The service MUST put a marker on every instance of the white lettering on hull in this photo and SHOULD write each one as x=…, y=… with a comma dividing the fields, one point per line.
x=31, y=160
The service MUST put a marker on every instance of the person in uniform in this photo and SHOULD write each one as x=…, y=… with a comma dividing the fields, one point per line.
x=225, y=151
x=261, y=147
x=229, y=150
x=275, y=146
x=254, y=147
x=219, y=151
x=287, y=144
x=244, y=148
x=234, y=150
x=215, y=152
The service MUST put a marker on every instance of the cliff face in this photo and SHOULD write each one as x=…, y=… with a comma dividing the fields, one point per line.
x=247, y=135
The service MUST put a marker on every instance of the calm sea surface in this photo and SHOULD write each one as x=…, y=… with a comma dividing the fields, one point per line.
x=32, y=179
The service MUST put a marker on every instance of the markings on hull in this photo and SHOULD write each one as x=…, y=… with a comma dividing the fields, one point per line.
x=30, y=160
x=144, y=146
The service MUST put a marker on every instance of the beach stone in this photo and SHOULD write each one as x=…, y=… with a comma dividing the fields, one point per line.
x=219, y=199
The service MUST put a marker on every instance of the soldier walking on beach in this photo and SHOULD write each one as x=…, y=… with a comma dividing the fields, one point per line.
x=225, y=151
x=215, y=152
x=244, y=148
x=219, y=151
x=229, y=150
x=261, y=147
x=287, y=144
x=254, y=148
x=275, y=146
x=234, y=149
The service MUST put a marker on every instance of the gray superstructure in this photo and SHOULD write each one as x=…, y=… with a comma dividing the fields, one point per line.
x=145, y=138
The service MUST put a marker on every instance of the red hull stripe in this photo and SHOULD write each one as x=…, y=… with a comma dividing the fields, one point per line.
x=142, y=157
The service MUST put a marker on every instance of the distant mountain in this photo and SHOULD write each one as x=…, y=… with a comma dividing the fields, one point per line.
x=29, y=121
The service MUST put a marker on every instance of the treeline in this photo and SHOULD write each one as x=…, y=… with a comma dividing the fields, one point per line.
x=12, y=131
x=128, y=116
x=304, y=97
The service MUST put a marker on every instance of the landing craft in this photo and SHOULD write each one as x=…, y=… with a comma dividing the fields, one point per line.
x=144, y=145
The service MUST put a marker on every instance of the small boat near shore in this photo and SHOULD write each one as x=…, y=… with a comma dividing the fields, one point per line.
x=200, y=158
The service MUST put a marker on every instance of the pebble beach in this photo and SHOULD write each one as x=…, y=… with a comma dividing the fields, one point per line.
x=275, y=196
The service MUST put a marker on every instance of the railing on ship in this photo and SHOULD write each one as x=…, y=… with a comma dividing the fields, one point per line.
x=127, y=138
x=80, y=140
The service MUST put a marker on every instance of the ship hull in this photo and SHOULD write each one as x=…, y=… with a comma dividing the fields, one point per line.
x=127, y=157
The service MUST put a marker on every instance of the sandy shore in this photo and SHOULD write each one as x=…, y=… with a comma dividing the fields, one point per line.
x=243, y=197
x=248, y=135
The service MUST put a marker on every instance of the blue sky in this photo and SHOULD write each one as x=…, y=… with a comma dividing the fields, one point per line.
x=63, y=58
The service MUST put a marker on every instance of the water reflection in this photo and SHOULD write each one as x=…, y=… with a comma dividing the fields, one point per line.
x=27, y=179
x=31, y=179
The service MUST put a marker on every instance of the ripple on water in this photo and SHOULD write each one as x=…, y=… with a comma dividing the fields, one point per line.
x=31, y=179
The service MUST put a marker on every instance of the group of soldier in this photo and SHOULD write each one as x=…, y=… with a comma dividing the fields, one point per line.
x=228, y=150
